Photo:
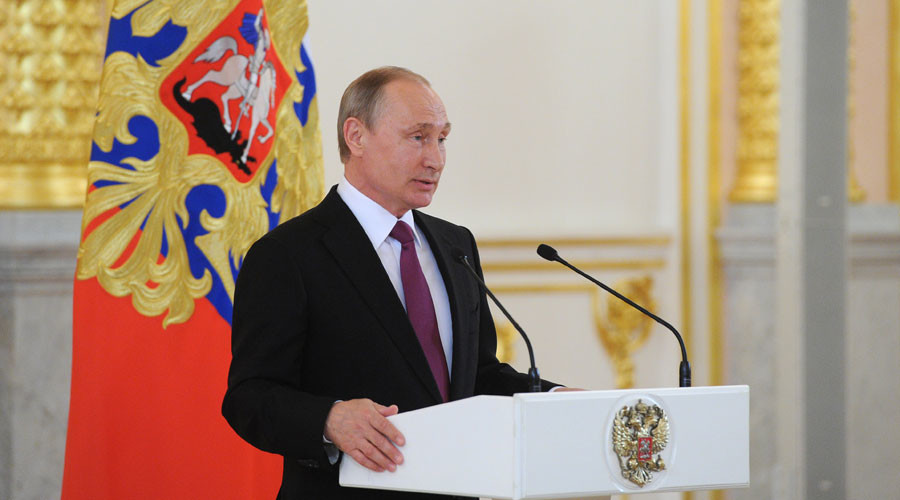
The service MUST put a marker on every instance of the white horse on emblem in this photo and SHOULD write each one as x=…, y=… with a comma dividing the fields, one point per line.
x=256, y=92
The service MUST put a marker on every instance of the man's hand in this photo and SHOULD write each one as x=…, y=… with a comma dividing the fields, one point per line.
x=359, y=428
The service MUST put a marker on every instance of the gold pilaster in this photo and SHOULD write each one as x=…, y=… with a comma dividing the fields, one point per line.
x=758, y=81
x=714, y=204
x=51, y=53
x=684, y=43
x=855, y=192
x=894, y=100
x=714, y=163
x=685, y=169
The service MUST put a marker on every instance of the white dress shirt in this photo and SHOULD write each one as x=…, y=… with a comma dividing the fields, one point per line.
x=378, y=223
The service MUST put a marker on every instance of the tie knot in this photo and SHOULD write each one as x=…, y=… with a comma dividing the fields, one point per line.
x=402, y=232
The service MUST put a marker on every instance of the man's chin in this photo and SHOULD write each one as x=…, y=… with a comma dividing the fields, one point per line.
x=421, y=200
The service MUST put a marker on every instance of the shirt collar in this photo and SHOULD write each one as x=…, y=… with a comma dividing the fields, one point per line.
x=375, y=220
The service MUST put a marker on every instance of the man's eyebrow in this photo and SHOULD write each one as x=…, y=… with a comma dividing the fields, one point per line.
x=429, y=125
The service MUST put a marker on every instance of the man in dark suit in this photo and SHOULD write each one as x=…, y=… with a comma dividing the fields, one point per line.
x=356, y=309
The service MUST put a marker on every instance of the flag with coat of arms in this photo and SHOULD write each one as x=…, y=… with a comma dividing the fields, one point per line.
x=206, y=137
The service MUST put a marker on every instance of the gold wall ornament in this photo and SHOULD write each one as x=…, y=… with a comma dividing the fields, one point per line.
x=621, y=328
x=50, y=58
x=125, y=259
x=506, y=339
x=894, y=100
x=855, y=192
x=757, y=102
x=640, y=432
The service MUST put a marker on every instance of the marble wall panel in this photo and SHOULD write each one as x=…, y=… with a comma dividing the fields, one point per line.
x=37, y=266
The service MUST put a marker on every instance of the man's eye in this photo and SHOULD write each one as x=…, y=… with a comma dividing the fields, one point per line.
x=442, y=140
x=417, y=137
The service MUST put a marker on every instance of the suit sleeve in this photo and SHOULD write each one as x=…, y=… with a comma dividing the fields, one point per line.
x=264, y=403
x=494, y=377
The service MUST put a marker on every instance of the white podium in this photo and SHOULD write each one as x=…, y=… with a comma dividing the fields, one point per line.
x=571, y=444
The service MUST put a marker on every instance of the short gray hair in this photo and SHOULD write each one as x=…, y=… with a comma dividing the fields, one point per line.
x=363, y=98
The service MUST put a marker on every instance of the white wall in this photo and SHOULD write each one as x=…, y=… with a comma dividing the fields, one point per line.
x=564, y=113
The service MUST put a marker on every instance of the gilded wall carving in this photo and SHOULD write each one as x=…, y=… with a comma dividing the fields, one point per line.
x=855, y=192
x=894, y=100
x=758, y=105
x=758, y=82
x=569, y=306
x=506, y=338
x=51, y=54
x=622, y=329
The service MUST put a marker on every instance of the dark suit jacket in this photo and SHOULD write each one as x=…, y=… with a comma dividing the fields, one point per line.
x=316, y=320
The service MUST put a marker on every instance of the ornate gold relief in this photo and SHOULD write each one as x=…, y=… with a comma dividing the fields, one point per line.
x=621, y=328
x=894, y=99
x=640, y=433
x=758, y=82
x=506, y=338
x=50, y=63
x=855, y=192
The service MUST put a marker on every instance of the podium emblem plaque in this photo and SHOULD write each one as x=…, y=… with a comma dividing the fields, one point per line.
x=639, y=433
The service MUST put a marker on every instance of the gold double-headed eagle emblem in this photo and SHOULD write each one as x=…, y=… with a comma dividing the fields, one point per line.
x=640, y=432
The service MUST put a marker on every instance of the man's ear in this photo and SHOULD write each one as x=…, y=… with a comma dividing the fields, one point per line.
x=355, y=135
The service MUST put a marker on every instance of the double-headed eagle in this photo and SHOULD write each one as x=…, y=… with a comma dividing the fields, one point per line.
x=639, y=433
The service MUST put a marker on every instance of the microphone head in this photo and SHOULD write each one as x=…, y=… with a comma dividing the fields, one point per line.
x=547, y=252
x=458, y=255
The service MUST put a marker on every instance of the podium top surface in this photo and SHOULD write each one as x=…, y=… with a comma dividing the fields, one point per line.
x=563, y=444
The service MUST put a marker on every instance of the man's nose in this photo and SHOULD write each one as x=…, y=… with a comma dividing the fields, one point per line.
x=434, y=155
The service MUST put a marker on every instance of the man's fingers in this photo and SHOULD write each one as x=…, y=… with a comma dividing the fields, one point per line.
x=364, y=461
x=360, y=428
x=387, y=411
x=386, y=447
x=384, y=426
x=375, y=455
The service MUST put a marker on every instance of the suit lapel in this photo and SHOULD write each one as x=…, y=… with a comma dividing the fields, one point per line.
x=353, y=252
x=455, y=278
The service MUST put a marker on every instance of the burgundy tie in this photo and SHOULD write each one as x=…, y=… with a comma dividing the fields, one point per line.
x=420, y=307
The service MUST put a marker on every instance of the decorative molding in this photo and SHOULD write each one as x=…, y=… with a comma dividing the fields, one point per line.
x=43, y=267
x=622, y=329
x=38, y=251
x=758, y=102
x=894, y=103
x=715, y=279
x=509, y=273
x=685, y=197
x=855, y=192
x=509, y=266
x=531, y=288
x=873, y=236
x=650, y=240
x=713, y=189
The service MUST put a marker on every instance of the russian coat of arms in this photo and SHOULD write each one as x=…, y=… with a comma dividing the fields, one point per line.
x=640, y=432
x=206, y=137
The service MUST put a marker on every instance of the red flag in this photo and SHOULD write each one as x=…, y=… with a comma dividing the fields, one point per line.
x=206, y=137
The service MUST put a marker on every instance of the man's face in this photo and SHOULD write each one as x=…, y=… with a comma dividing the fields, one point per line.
x=402, y=154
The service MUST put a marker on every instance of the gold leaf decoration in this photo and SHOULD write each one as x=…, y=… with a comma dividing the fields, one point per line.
x=506, y=340
x=621, y=328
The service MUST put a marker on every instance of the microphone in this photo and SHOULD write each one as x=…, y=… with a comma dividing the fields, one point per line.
x=463, y=259
x=684, y=370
